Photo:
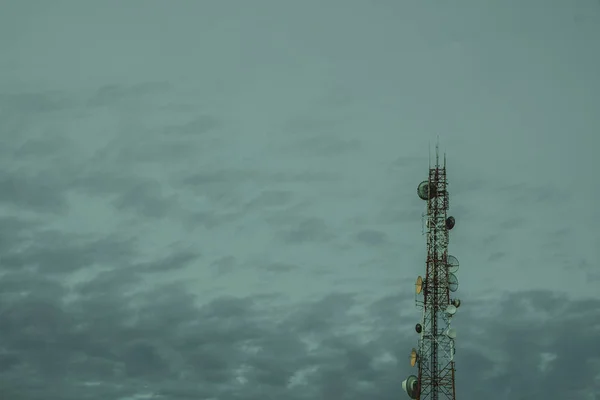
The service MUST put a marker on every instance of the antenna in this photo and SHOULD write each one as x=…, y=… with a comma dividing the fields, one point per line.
x=452, y=282
x=429, y=154
x=419, y=285
x=452, y=263
x=444, y=159
x=434, y=356
x=437, y=152
x=413, y=357
x=451, y=333
x=451, y=309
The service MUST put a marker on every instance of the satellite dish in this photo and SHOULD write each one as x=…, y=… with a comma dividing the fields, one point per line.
x=411, y=386
x=456, y=303
x=451, y=333
x=426, y=191
x=452, y=264
x=450, y=222
x=413, y=357
x=451, y=310
x=452, y=282
x=419, y=285
x=418, y=328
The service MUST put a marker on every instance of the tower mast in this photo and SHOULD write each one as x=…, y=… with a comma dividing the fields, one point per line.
x=434, y=355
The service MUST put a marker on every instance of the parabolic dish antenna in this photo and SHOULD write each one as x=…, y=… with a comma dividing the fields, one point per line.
x=418, y=328
x=452, y=282
x=450, y=222
x=413, y=357
x=425, y=191
x=451, y=310
x=419, y=285
x=451, y=333
x=411, y=386
x=452, y=264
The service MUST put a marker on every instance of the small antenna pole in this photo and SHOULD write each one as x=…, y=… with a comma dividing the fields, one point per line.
x=437, y=152
x=429, y=153
x=444, y=160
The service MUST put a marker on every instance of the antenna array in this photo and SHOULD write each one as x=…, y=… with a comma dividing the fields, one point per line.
x=434, y=356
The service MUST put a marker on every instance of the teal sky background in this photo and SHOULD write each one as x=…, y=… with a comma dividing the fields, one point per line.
x=217, y=200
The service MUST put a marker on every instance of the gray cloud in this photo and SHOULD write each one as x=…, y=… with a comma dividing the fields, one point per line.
x=323, y=145
x=372, y=237
x=33, y=103
x=39, y=192
x=496, y=256
x=308, y=230
x=197, y=126
x=112, y=94
x=52, y=252
x=227, y=347
x=224, y=265
x=308, y=124
x=201, y=209
x=270, y=198
x=280, y=267
x=145, y=198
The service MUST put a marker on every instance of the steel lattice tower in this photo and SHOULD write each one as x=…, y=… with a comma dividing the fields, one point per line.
x=434, y=356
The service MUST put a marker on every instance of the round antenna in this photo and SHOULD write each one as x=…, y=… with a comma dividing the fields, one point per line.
x=451, y=333
x=456, y=303
x=452, y=264
x=452, y=282
x=411, y=386
x=413, y=357
x=450, y=222
x=451, y=310
x=426, y=191
x=419, y=285
x=418, y=328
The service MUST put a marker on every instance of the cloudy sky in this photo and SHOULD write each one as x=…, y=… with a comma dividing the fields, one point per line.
x=217, y=199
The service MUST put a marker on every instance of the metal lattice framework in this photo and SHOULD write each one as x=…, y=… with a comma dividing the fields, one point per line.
x=434, y=357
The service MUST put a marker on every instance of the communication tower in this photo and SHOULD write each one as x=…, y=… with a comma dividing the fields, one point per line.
x=434, y=356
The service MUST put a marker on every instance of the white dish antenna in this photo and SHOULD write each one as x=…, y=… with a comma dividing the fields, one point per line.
x=411, y=386
x=452, y=264
x=451, y=310
x=452, y=282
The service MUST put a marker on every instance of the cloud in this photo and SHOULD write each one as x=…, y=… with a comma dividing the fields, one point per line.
x=197, y=126
x=159, y=341
x=542, y=322
x=224, y=265
x=270, y=198
x=174, y=261
x=308, y=230
x=33, y=102
x=308, y=124
x=322, y=145
x=372, y=237
x=496, y=256
x=145, y=198
x=280, y=267
x=191, y=213
x=112, y=94
x=38, y=192
x=53, y=252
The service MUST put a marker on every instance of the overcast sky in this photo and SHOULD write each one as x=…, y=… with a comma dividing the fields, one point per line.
x=217, y=199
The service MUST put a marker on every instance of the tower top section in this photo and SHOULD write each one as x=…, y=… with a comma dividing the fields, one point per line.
x=437, y=156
